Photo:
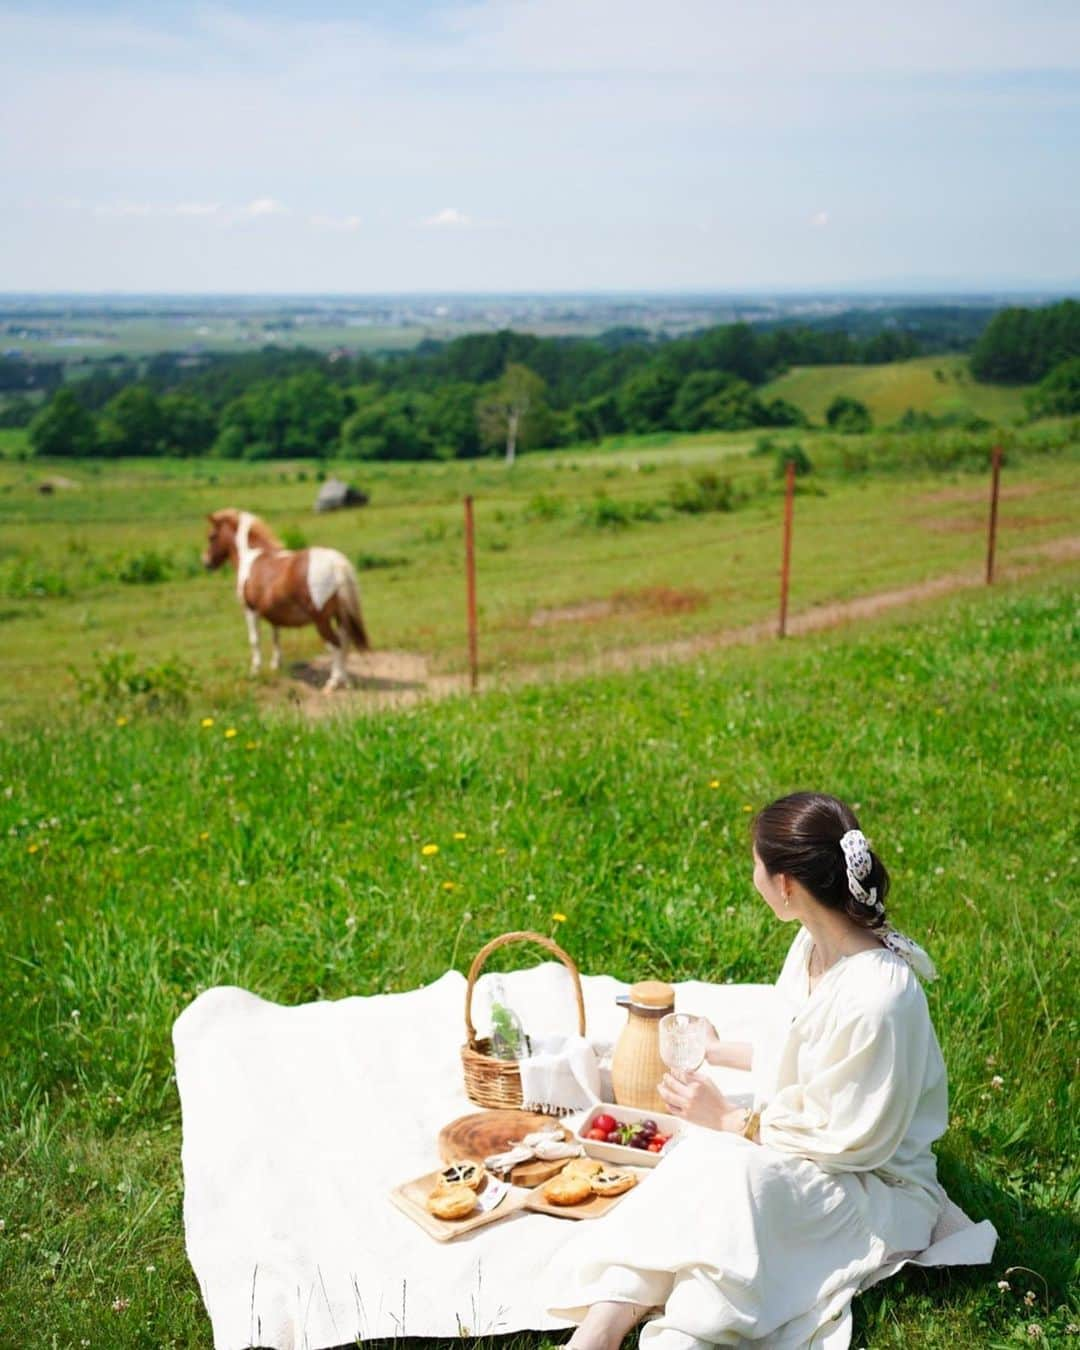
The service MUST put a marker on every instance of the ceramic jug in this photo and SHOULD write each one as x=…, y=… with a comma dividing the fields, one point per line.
x=636, y=1066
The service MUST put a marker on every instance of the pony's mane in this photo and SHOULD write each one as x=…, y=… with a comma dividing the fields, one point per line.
x=260, y=534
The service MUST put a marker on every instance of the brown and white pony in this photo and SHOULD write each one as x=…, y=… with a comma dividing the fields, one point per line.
x=288, y=589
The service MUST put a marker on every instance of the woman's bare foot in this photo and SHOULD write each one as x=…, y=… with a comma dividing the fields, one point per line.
x=605, y=1325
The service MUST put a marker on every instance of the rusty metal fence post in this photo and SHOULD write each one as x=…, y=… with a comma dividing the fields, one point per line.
x=470, y=592
x=785, y=566
x=995, y=483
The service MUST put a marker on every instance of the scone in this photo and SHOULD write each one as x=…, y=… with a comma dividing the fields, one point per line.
x=568, y=1188
x=582, y=1167
x=469, y=1174
x=612, y=1183
x=451, y=1202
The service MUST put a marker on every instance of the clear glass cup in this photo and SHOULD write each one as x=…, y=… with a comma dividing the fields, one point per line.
x=682, y=1041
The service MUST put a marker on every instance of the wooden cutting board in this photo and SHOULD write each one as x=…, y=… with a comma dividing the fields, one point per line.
x=479, y=1135
x=410, y=1199
x=593, y=1208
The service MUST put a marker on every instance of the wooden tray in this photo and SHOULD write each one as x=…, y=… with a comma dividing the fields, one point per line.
x=411, y=1196
x=593, y=1208
x=479, y=1135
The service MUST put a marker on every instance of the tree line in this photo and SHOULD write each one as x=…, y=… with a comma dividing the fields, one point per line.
x=504, y=391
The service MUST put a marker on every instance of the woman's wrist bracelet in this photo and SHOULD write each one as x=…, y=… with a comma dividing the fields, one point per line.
x=751, y=1126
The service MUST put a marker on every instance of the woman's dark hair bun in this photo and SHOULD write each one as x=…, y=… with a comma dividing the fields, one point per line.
x=800, y=835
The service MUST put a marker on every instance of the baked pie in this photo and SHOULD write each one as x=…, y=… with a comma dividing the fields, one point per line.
x=452, y=1202
x=568, y=1188
x=612, y=1183
x=466, y=1173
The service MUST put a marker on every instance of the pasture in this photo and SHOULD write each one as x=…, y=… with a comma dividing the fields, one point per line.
x=935, y=384
x=150, y=852
x=580, y=554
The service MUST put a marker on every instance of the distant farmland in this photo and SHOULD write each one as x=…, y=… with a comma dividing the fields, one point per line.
x=934, y=384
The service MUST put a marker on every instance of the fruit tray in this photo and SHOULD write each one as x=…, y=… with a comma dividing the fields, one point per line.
x=623, y=1155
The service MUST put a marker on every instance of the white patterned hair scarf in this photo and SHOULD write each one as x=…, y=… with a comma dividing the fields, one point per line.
x=859, y=866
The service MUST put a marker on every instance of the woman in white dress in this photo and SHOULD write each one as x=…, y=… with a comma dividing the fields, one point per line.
x=761, y=1225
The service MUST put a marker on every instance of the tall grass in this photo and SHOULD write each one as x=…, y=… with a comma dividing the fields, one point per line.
x=149, y=856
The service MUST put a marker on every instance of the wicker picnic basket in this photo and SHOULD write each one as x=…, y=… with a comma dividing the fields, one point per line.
x=497, y=1082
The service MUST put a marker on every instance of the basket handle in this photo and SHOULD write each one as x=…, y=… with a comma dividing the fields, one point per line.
x=494, y=945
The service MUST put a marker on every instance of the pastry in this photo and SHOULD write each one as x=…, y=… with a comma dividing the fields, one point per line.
x=568, y=1188
x=612, y=1183
x=466, y=1173
x=582, y=1167
x=451, y=1202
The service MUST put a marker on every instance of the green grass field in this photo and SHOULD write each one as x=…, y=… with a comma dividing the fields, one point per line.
x=149, y=858
x=580, y=553
x=933, y=384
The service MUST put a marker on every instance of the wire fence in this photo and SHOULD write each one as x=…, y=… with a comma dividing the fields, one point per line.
x=876, y=572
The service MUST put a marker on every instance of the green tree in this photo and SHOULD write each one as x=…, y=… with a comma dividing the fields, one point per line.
x=1058, y=395
x=64, y=427
x=386, y=426
x=510, y=412
x=688, y=410
x=300, y=415
x=645, y=400
x=848, y=415
x=131, y=423
x=188, y=425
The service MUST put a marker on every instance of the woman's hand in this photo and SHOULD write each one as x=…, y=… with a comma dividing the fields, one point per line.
x=696, y=1098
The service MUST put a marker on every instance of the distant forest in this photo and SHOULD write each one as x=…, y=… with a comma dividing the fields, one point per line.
x=493, y=391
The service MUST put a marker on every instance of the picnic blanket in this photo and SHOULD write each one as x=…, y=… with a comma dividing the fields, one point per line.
x=298, y=1121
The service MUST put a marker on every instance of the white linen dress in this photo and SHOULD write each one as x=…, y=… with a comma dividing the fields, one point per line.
x=739, y=1242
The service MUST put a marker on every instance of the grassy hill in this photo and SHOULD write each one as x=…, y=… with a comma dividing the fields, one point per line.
x=148, y=860
x=934, y=384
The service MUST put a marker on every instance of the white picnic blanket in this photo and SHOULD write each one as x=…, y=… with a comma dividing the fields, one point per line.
x=298, y=1122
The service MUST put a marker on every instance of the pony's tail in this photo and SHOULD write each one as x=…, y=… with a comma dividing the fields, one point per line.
x=349, y=612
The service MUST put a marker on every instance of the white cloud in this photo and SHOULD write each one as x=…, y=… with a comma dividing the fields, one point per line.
x=259, y=208
x=262, y=206
x=819, y=219
x=449, y=218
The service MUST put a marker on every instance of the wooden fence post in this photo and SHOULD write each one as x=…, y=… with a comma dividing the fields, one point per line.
x=470, y=591
x=995, y=482
x=785, y=567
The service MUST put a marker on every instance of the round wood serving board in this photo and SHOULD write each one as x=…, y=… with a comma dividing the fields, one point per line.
x=479, y=1135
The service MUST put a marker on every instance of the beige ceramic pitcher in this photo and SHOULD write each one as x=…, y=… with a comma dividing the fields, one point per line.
x=636, y=1066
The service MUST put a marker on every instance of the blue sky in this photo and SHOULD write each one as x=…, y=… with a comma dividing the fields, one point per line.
x=497, y=145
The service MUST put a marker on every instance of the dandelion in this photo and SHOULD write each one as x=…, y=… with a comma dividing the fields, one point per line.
x=449, y=885
x=1034, y=1331
x=748, y=809
x=1004, y=1286
x=429, y=850
x=1029, y=1299
x=459, y=834
x=714, y=782
x=230, y=733
x=33, y=848
x=120, y=1304
x=997, y=1082
x=207, y=722
x=252, y=745
x=558, y=918
x=121, y=721
x=150, y=1269
x=204, y=835
x=500, y=851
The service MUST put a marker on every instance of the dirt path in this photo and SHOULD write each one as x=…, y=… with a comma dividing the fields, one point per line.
x=394, y=679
